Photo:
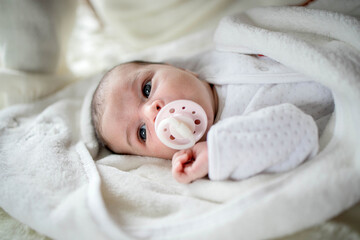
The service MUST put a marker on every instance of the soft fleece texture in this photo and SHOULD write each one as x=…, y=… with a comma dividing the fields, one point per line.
x=50, y=182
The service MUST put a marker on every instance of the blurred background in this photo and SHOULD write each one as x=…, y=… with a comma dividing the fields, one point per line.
x=47, y=44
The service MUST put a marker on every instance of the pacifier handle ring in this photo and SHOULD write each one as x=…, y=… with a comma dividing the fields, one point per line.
x=168, y=142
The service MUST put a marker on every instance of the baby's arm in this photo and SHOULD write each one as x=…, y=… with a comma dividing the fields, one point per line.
x=272, y=139
x=190, y=164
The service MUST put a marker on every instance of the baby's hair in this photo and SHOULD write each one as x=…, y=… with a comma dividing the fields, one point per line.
x=98, y=99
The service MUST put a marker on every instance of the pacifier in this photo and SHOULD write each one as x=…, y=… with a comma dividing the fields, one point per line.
x=180, y=124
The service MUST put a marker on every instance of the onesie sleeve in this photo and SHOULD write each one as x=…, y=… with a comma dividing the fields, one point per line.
x=272, y=139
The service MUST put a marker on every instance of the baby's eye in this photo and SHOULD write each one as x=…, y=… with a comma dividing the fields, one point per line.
x=142, y=133
x=146, y=89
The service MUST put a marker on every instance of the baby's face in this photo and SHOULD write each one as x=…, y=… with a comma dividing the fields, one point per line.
x=135, y=95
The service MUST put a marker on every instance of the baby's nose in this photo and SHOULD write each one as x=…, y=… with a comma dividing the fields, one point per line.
x=153, y=109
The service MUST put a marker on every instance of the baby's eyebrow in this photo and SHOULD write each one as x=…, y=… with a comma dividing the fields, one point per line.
x=135, y=78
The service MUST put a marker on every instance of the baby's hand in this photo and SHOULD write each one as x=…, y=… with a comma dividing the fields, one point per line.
x=190, y=164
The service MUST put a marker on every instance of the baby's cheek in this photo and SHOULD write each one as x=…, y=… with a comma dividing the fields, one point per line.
x=161, y=151
x=169, y=153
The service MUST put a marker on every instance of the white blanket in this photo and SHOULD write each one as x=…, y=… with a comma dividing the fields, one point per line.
x=49, y=180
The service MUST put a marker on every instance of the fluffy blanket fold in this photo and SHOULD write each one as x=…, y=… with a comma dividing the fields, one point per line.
x=50, y=181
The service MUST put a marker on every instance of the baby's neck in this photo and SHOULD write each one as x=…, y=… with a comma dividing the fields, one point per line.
x=216, y=99
x=214, y=103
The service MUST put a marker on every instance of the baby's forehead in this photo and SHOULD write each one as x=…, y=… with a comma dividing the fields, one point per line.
x=125, y=70
x=121, y=76
x=118, y=73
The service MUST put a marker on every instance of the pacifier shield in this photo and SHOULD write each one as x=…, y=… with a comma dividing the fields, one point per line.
x=180, y=124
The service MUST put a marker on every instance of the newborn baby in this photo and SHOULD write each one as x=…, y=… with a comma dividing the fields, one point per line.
x=243, y=136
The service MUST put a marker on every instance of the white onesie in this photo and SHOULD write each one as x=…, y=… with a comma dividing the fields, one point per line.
x=261, y=128
x=269, y=117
